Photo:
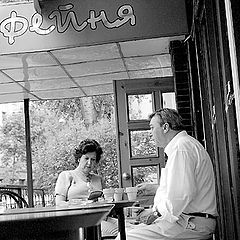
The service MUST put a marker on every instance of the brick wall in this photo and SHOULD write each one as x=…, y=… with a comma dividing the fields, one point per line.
x=179, y=55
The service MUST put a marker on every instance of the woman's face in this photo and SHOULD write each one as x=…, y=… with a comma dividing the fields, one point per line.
x=87, y=161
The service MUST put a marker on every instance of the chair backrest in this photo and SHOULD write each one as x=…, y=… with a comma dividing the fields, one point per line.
x=20, y=201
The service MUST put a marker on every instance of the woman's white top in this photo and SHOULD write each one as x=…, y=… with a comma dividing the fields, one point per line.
x=73, y=185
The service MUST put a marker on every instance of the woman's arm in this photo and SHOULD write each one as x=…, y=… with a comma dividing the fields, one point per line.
x=61, y=188
x=147, y=189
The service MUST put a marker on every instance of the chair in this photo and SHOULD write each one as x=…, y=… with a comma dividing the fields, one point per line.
x=20, y=201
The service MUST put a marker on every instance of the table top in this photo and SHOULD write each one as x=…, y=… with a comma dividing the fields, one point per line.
x=122, y=203
x=24, y=222
x=54, y=211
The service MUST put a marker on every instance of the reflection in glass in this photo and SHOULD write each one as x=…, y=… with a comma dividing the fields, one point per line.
x=169, y=100
x=145, y=174
x=142, y=144
x=140, y=106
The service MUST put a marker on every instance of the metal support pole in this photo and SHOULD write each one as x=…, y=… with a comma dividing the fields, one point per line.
x=28, y=153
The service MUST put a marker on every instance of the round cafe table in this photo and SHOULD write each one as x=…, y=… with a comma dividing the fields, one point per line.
x=51, y=223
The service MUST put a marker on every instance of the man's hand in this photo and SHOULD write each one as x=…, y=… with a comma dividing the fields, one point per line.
x=147, y=216
x=143, y=216
x=147, y=189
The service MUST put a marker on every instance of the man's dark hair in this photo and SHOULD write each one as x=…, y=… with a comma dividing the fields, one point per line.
x=170, y=116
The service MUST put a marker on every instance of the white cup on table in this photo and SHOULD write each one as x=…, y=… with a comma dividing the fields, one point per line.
x=108, y=194
x=131, y=193
x=118, y=194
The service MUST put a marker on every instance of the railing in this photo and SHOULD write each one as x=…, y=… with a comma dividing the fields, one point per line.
x=40, y=199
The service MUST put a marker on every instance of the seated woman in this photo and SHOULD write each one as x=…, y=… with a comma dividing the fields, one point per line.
x=78, y=183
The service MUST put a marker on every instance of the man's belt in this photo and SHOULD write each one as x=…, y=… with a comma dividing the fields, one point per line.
x=199, y=214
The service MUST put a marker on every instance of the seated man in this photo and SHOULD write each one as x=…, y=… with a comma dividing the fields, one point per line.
x=185, y=201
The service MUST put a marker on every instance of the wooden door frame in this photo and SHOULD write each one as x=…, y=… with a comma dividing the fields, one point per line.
x=134, y=86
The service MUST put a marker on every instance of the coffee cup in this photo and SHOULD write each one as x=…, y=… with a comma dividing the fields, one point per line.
x=118, y=194
x=108, y=194
x=131, y=193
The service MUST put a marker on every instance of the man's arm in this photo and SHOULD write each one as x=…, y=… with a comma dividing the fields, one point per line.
x=147, y=189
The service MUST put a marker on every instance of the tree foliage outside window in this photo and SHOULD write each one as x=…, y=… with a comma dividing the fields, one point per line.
x=142, y=144
x=56, y=130
x=145, y=174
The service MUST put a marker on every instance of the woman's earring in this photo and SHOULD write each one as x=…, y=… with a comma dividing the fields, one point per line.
x=165, y=128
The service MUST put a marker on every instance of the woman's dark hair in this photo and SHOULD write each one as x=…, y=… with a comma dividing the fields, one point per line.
x=86, y=146
x=170, y=116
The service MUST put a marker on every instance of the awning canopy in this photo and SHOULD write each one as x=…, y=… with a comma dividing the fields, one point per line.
x=81, y=71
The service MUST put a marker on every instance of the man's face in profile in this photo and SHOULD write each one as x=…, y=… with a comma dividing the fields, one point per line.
x=157, y=131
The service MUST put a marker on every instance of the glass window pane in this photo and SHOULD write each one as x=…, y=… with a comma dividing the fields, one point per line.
x=12, y=143
x=145, y=174
x=141, y=144
x=140, y=106
x=169, y=100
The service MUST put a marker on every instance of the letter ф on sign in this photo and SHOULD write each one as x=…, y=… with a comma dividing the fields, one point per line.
x=14, y=26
